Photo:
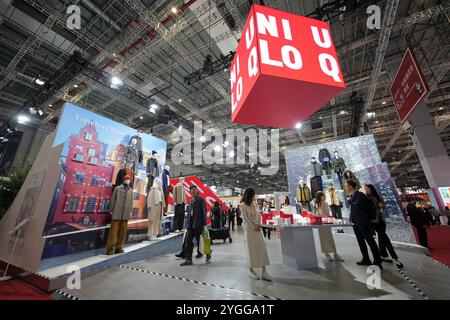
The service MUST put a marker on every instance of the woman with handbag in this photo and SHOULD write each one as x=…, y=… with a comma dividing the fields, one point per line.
x=257, y=256
x=379, y=224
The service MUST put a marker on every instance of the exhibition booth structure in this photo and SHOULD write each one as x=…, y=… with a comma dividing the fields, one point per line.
x=64, y=205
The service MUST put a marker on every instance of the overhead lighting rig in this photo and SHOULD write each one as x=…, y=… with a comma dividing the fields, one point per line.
x=210, y=67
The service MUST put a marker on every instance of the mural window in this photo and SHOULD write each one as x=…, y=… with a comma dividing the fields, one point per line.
x=135, y=212
x=88, y=136
x=94, y=181
x=79, y=157
x=72, y=205
x=91, y=152
x=79, y=178
x=90, y=204
x=136, y=195
x=93, y=160
x=105, y=205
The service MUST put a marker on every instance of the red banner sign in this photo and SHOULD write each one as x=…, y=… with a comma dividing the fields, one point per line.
x=204, y=191
x=285, y=68
x=409, y=87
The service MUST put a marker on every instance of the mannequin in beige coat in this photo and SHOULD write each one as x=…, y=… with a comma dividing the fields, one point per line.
x=155, y=205
x=257, y=256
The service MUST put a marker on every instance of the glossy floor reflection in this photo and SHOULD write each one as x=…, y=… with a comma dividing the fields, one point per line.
x=225, y=277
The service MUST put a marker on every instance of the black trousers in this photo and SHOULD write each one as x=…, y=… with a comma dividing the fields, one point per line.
x=364, y=233
x=178, y=219
x=336, y=211
x=188, y=245
x=423, y=236
x=231, y=223
x=266, y=231
x=383, y=241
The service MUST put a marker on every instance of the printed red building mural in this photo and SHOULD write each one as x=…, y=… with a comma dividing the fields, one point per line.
x=85, y=192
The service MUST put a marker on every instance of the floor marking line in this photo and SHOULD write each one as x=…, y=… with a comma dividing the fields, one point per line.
x=412, y=283
x=67, y=295
x=124, y=266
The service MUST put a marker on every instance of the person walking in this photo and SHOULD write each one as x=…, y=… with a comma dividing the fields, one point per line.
x=238, y=216
x=215, y=216
x=360, y=216
x=419, y=221
x=379, y=224
x=327, y=245
x=257, y=256
x=197, y=221
x=231, y=216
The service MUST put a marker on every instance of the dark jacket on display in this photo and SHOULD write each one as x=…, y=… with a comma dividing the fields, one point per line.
x=152, y=167
x=316, y=169
x=165, y=181
x=131, y=154
x=121, y=204
x=324, y=156
x=139, y=147
x=196, y=211
x=338, y=165
x=360, y=208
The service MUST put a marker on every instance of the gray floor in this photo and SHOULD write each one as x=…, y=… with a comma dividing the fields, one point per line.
x=226, y=277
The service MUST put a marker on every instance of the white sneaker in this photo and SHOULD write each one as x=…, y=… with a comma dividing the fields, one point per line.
x=329, y=257
x=338, y=258
x=265, y=276
x=253, y=274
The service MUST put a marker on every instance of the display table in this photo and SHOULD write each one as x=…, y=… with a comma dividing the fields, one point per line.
x=298, y=246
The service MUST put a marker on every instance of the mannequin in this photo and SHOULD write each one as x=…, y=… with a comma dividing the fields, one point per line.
x=155, y=205
x=303, y=195
x=138, y=139
x=167, y=188
x=152, y=169
x=325, y=160
x=179, y=200
x=121, y=207
x=315, y=171
x=131, y=158
x=338, y=165
x=334, y=201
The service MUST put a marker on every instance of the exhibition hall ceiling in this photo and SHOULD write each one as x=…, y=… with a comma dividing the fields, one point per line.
x=153, y=45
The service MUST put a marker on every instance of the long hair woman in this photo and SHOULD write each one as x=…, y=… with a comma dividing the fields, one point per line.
x=327, y=244
x=257, y=256
x=379, y=224
x=215, y=216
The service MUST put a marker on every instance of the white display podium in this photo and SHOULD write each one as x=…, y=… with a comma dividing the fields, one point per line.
x=298, y=246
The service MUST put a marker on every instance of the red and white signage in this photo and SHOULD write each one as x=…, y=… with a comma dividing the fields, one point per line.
x=285, y=68
x=409, y=87
x=203, y=191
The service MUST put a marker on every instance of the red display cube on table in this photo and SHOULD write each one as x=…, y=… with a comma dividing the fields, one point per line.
x=285, y=69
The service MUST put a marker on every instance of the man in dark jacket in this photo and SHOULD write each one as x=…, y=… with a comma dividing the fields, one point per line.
x=197, y=221
x=360, y=217
x=419, y=221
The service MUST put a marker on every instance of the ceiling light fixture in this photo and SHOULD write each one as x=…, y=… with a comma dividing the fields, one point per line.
x=75, y=86
x=231, y=154
x=371, y=114
x=441, y=108
x=50, y=105
x=383, y=103
x=217, y=148
x=298, y=125
x=40, y=81
x=180, y=100
x=22, y=119
x=343, y=112
x=180, y=127
x=174, y=10
x=202, y=139
x=116, y=81
x=141, y=117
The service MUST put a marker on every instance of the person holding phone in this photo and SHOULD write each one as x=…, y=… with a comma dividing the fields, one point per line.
x=257, y=256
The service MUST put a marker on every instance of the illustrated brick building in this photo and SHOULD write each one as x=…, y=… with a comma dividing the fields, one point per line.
x=84, y=192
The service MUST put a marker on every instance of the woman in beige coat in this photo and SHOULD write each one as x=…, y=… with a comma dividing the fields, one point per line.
x=257, y=256
x=326, y=237
x=155, y=204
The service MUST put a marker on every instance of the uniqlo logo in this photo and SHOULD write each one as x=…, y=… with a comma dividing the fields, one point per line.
x=281, y=57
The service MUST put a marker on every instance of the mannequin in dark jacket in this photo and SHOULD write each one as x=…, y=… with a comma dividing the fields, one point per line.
x=360, y=208
x=152, y=169
x=418, y=220
x=138, y=146
x=325, y=161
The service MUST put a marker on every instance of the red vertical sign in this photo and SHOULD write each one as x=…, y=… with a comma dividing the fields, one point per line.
x=409, y=87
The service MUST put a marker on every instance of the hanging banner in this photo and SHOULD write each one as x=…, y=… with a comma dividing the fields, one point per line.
x=203, y=191
x=285, y=69
x=409, y=87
